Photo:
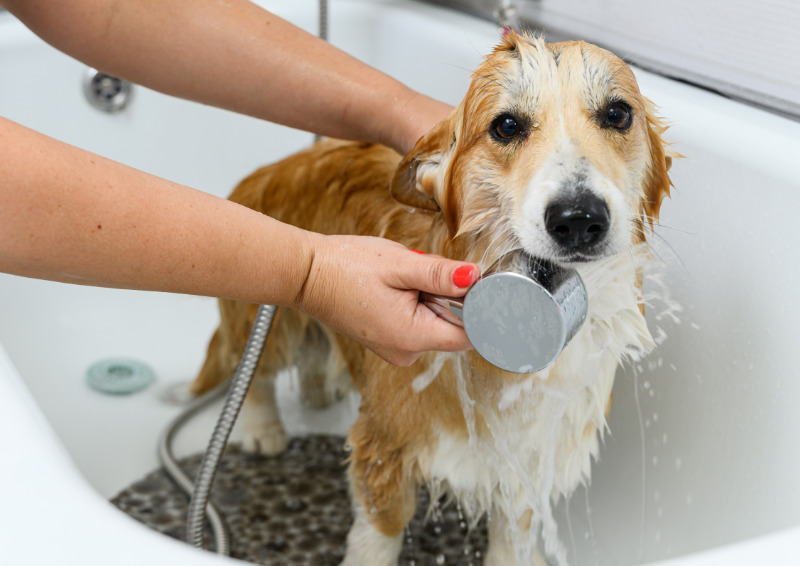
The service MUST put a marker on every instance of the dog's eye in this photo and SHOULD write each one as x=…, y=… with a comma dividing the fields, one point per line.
x=618, y=115
x=505, y=128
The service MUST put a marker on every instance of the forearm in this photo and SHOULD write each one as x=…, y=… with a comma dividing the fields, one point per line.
x=236, y=56
x=69, y=215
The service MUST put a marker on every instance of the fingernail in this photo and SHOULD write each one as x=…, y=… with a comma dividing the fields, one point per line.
x=416, y=251
x=462, y=276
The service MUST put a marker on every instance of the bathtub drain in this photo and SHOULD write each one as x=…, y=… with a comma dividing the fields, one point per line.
x=106, y=92
x=119, y=376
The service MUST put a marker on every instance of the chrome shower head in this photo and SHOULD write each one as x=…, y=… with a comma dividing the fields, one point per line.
x=521, y=315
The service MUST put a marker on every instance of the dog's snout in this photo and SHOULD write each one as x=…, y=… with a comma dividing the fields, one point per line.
x=577, y=223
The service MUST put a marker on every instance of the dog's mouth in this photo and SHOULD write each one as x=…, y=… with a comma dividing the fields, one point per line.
x=520, y=261
x=580, y=258
x=570, y=257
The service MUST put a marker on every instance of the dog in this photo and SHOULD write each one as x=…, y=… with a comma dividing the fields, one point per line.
x=553, y=151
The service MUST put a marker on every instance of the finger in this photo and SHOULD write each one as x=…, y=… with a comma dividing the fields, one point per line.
x=437, y=275
x=435, y=333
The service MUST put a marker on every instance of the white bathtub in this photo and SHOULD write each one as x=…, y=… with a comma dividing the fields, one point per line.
x=702, y=463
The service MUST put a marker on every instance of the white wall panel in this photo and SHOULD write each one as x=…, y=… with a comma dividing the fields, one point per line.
x=745, y=48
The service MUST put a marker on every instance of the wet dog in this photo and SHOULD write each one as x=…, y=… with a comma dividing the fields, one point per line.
x=554, y=151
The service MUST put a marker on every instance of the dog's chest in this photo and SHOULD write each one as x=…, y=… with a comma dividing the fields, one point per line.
x=535, y=438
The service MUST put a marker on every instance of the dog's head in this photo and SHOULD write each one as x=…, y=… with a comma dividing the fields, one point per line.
x=553, y=150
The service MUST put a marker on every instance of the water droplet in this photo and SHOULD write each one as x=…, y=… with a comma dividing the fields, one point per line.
x=440, y=559
x=373, y=510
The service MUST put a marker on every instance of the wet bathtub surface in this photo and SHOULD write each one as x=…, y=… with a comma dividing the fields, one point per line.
x=294, y=509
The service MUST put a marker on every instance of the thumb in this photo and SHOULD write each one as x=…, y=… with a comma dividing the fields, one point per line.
x=439, y=275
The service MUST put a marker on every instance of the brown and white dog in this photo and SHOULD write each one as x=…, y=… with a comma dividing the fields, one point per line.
x=554, y=151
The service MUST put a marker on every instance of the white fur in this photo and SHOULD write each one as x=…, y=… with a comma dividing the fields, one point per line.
x=262, y=430
x=554, y=181
x=543, y=433
x=366, y=545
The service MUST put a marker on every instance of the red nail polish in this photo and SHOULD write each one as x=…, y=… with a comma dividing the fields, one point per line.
x=462, y=276
x=415, y=251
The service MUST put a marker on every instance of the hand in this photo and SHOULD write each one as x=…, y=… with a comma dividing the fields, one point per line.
x=368, y=289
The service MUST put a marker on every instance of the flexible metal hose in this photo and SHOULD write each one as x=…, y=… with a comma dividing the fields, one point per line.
x=200, y=490
x=323, y=34
x=180, y=477
x=323, y=19
x=219, y=438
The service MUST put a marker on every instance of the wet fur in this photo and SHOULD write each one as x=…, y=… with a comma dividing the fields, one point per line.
x=452, y=421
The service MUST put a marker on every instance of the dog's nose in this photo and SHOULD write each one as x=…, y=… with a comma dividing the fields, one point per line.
x=578, y=223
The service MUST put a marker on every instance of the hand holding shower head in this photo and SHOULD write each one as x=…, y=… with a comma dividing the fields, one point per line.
x=521, y=315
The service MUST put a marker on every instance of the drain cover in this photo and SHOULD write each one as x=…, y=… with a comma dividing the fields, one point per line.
x=119, y=376
x=106, y=92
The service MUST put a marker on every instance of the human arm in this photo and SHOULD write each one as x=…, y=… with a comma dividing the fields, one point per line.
x=237, y=56
x=69, y=215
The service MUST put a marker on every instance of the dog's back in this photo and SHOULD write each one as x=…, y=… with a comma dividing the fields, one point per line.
x=334, y=187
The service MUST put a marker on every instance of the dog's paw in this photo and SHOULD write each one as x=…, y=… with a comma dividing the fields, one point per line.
x=268, y=441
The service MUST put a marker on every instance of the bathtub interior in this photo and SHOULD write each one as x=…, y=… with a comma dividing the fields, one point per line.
x=701, y=448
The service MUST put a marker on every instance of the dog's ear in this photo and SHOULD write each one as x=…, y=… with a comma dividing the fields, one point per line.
x=656, y=182
x=419, y=179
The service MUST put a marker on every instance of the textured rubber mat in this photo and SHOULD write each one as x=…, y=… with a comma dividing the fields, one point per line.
x=294, y=509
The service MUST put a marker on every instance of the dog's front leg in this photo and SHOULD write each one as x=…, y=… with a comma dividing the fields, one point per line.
x=367, y=546
x=384, y=499
x=501, y=551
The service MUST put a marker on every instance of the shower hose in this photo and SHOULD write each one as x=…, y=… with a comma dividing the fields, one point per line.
x=200, y=489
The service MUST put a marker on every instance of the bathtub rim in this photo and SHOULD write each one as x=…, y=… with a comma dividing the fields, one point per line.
x=64, y=497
